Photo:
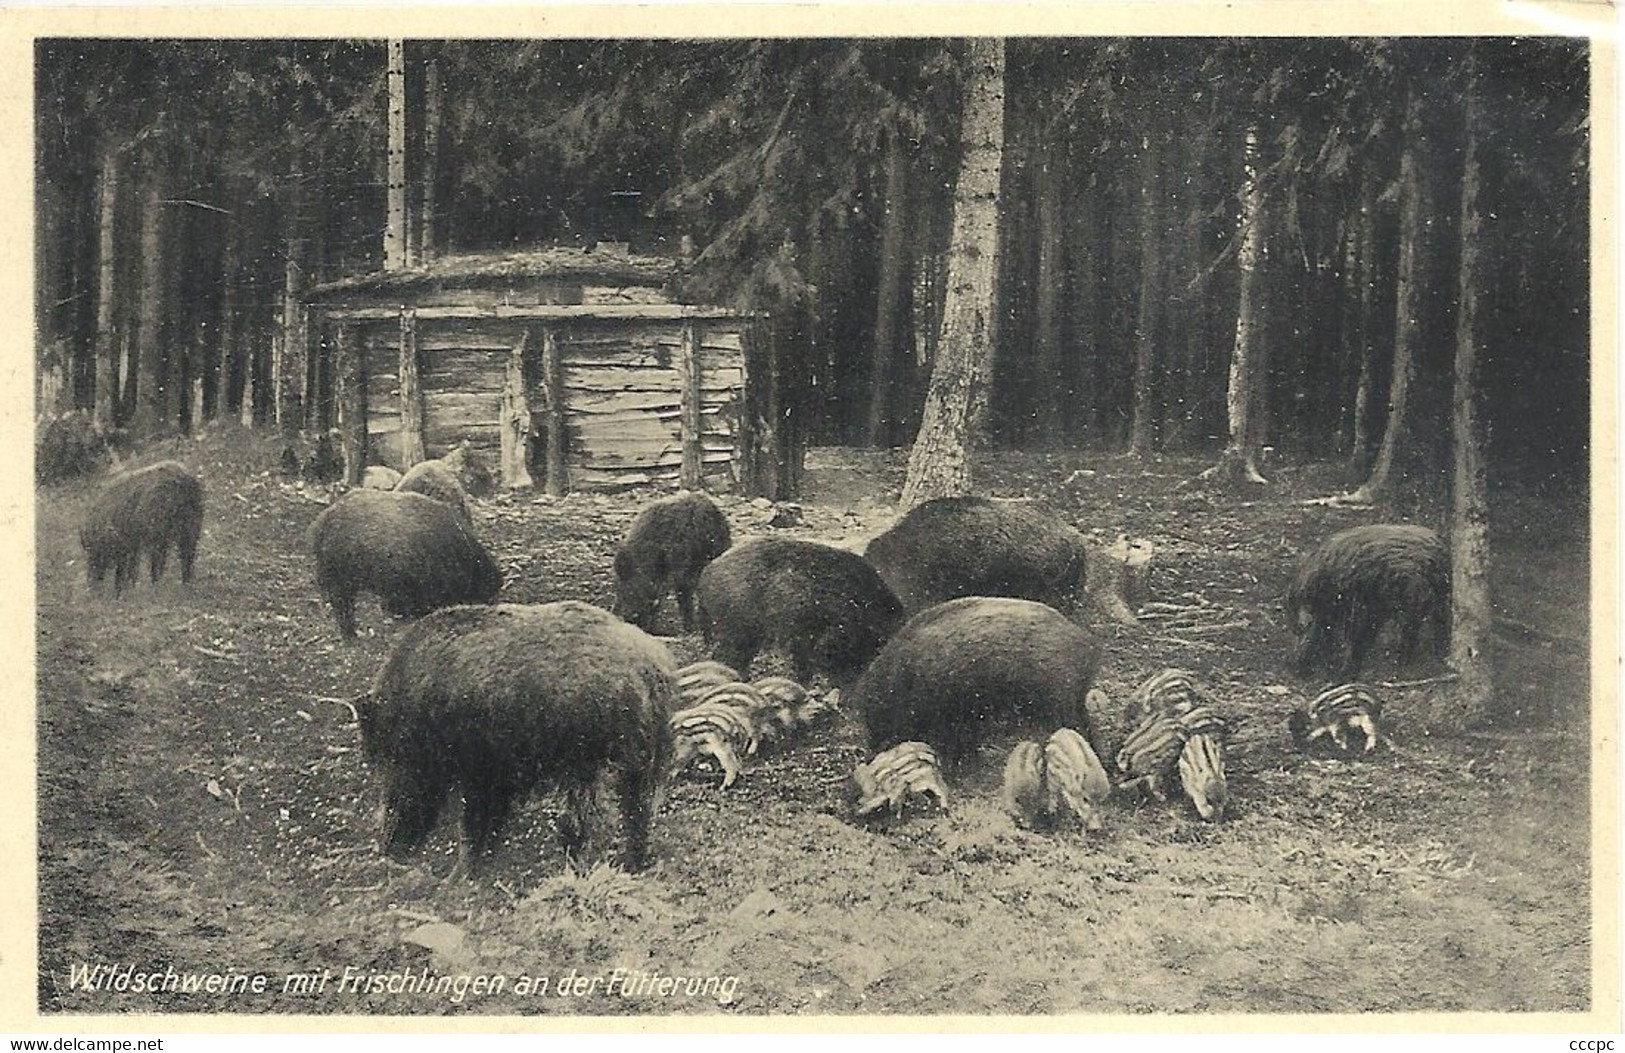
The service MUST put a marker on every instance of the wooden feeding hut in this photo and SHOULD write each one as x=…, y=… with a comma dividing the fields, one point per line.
x=567, y=367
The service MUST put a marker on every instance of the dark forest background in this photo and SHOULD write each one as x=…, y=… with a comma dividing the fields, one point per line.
x=183, y=186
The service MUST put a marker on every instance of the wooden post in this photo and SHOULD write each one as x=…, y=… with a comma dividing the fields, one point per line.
x=558, y=482
x=412, y=446
x=352, y=383
x=515, y=429
x=777, y=481
x=746, y=472
x=688, y=371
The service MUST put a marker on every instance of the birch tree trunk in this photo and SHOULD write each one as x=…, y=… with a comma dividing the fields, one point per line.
x=107, y=342
x=938, y=465
x=1238, y=462
x=1469, y=531
x=395, y=220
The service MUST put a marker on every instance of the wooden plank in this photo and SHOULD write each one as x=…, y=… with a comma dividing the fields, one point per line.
x=591, y=334
x=542, y=312
x=625, y=356
x=463, y=370
x=648, y=434
x=619, y=402
x=670, y=417
x=722, y=339
x=608, y=378
x=412, y=444
x=656, y=460
x=486, y=402
x=642, y=449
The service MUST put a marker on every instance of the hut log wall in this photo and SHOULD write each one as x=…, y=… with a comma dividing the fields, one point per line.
x=580, y=398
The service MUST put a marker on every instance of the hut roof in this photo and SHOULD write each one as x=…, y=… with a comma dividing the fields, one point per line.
x=593, y=267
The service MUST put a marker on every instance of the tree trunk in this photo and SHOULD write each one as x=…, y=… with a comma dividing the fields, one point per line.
x=150, y=396
x=1364, y=371
x=1407, y=310
x=290, y=379
x=1239, y=461
x=395, y=221
x=926, y=307
x=54, y=343
x=1051, y=295
x=890, y=303
x=1084, y=305
x=1142, y=431
x=427, y=247
x=1469, y=532
x=939, y=464
x=107, y=341
x=227, y=329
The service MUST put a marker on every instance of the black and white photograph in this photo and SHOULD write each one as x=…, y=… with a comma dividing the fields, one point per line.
x=775, y=525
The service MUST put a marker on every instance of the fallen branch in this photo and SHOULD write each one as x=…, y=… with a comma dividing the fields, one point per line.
x=1353, y=500
x=1443, y=678
x=1242, y=623
x=1202, y=645
x=1181, y=891
x=1156, y=609
x=413, y=915
x=1512, y=625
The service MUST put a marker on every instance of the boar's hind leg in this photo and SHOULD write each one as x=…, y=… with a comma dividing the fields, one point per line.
x=485, y=807
x=412, y=803
x=579, y=794
x=685, y=604
x=187, y=547
x=637, y=793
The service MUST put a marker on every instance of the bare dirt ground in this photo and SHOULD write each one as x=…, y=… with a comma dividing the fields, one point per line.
x=203, y=805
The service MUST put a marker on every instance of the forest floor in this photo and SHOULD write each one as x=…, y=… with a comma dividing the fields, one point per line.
x=203, y=806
